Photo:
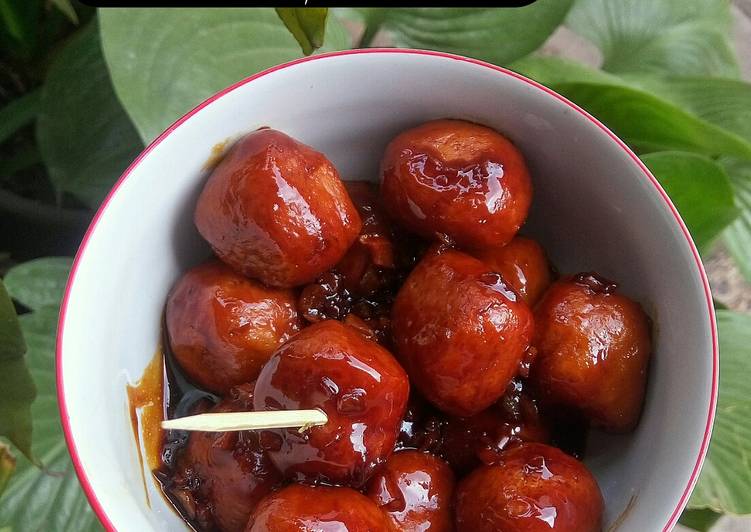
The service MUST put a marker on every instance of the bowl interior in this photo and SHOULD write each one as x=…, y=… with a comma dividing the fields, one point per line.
x=594, y=209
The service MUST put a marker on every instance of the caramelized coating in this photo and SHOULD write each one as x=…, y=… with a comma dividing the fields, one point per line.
x=422, y=427
x=220, y=477
x=459, y=179
x=299, y=508
x=223, y=327
x=356, y=382
x=593, y=351
x=460, y=331
x=415, y=490
x=533, y=488
x=361, y=287
x=523, y=265
x=275, y=210
x=468, y=442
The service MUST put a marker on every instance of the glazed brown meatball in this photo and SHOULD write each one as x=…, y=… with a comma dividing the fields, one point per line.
x=415, y=490
x=223, y=327
x=221, y=477
x=468, y=442
x=523, y=265
x=299, y=508
x=593, y=351
x=458, y=179
x=275, y=210
x=460, y=331
x=533, y=488
x=355, y=381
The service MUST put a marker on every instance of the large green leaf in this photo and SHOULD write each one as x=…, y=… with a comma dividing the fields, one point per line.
x=165, y=61
x=651, y=123
x=700, y=189
x=725, y=481
x=551, y=70
x=493, y=34
x=39, y=282
x=67, y=9
x=723, y=102
x=665, y=36
x=654, y=114
x=19, y=19
x=306, y=24
x=17, y=390
x=84, y=135
x=701, y=520
x=49, y=498
x=18, y=113
x=737, y=237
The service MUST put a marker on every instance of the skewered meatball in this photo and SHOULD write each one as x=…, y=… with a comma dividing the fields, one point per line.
x=468, y=442
x=415, y=490
x=298, y=508
x=223, y=327
x=458, y=179
x=533, y=488
x=357, y=383
x=460, y=331
x=221, y=476
x=523, y=264
x=275, y=210
x=593, y=351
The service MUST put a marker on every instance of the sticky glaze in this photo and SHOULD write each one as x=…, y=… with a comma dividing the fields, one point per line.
x=298, y=508
x=356, y=382
x=223, y=327
x=522, y=264
x=219, y=478
x=460, y=332
x=415, y=489
x=146, y=406
x=458, y=179
x=593, y=351
x=275, y=209
x=533, y=488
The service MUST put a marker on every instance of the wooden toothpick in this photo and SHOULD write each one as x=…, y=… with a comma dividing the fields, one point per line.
x=231, y=421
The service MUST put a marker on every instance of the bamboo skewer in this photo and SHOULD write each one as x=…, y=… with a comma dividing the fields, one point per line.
x=231, y=421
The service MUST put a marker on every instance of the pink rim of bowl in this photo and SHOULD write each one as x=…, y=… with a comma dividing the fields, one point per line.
x=97, y=506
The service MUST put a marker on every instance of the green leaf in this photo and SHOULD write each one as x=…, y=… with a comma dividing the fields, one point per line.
x=49, y=498
x=723, y=102
x=666, y=36
x=163, y=62
x=19, y=18
x=701, y=520
x=7, y=466
x=699, y=188
x=650, y=123
x=707, y=115
x=85, y=136
x=18, y=113
x=725, y=482
x=39, y=282
x=550, y=70
x=306, y=24
x=737, y=237
x=498, y=35
x=66, y=8
x=18, y=389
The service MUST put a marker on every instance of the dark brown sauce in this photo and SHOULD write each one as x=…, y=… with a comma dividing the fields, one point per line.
x=146, y=397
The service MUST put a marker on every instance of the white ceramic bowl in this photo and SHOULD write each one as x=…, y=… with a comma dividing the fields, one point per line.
x=595, y=207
